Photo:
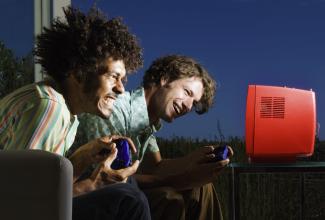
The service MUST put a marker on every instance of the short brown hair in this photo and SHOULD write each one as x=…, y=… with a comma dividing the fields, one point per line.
x=173, y=67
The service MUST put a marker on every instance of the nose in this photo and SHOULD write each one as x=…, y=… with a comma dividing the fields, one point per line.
x=118, y=87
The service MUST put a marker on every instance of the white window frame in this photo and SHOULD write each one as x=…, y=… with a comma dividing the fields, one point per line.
x=44, y=12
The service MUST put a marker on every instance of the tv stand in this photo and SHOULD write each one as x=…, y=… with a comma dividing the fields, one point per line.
x=239, y=168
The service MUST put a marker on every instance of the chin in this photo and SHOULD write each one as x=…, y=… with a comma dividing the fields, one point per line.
x=104, y=112
x=168, y=119
x=104, y=115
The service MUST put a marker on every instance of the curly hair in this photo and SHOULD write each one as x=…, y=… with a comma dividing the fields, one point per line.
x=83, y=43
x=173, y=67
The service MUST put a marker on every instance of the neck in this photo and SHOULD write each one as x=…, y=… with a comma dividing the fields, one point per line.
x=69, y=89
x=149, y=93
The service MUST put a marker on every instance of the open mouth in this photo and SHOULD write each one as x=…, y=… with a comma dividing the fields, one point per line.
x=108, y=99
x=105, y=105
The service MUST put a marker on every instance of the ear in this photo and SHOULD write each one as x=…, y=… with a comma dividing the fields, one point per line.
x=74, y=80
x=72, y=76
x=163, y=81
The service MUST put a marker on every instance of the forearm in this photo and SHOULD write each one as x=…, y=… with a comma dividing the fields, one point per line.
x=177, y=181
x=80, y=161
x=170, y=166
x=180, y=174
x=157, y=172
x=93, y=182
x=83, y=186
x=193, y=170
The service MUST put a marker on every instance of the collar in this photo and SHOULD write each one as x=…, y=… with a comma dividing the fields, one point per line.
x=140, y=117
x=51, y=91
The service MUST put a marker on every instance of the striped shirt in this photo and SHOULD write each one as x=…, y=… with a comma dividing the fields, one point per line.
x=129, y=118
x=36, y=117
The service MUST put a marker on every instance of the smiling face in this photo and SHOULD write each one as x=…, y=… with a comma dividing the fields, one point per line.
x=100, y=98
x=176, y=98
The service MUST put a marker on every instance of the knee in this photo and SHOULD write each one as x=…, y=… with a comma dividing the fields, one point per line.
x=205, y=192
x=174, y=200
x=208, y=190
x=141, y=199
x=177, y=206
x=138, y=205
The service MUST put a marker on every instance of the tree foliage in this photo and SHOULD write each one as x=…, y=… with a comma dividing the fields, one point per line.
x=14, y=72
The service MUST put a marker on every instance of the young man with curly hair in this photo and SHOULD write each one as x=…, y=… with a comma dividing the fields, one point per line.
x=178, y=188
x=87, y=59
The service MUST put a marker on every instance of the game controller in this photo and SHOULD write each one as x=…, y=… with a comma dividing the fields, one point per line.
x=221, y=153
x=123, y=158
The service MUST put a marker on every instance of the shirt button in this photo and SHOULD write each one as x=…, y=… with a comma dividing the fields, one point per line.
x=148, y=130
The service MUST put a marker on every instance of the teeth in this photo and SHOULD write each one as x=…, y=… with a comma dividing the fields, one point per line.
x=177, y=109
x=107, y=98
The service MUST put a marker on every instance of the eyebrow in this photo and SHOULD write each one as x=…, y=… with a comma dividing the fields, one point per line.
x=124, y=79
x=113, y=73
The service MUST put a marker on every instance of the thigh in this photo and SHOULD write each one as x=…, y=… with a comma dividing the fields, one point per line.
x=165, y=203
x=116, y=201
x=202, y=203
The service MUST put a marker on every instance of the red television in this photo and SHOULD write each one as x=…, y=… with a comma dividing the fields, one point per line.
x=280, y=123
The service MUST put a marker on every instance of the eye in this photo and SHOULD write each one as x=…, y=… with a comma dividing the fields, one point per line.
x=187, y=92
x=124, y=80
x=114, y=76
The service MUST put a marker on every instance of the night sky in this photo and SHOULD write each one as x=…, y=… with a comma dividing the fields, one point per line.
x=240, y=42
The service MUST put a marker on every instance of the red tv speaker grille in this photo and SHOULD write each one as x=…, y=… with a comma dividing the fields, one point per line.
x=272, y=107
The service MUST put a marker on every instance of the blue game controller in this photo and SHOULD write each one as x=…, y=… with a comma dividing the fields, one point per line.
x=221, y=153
x=123, y=158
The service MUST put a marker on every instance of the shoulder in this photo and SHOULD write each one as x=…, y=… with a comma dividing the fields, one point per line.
x=48, y=92
x=51, y=100
x=44, y=101
x=21, y=100
x=123, y=100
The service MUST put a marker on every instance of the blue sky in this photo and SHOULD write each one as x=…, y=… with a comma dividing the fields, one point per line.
x=240, y=42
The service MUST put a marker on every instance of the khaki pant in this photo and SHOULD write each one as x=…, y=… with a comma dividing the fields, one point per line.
x=198, y=204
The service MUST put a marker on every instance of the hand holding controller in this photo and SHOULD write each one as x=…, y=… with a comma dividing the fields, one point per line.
x=221, y=153
x=123, y=158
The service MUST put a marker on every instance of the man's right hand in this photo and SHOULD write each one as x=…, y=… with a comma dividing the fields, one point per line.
x=98, y=150
x=104, y=174
x=91, y=153
x=201, y=167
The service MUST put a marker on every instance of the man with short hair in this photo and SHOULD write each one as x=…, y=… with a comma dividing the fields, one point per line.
x=176, y=188
x=87, y=59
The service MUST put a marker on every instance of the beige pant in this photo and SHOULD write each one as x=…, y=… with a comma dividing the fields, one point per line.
x=198, y=204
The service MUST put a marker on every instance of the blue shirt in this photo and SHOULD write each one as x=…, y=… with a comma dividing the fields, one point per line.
x=129, y=118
